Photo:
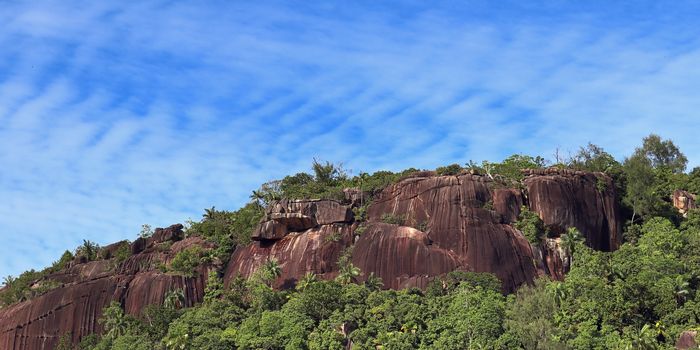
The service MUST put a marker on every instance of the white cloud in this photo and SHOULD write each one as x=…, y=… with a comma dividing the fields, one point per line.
x=112, y=116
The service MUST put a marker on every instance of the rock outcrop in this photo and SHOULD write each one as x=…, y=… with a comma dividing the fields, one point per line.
x=402, y=256
x=416, y=229
x=687, y=340
x=586, y=201
x=684, y=201
x=75, y=306
x=438, y=224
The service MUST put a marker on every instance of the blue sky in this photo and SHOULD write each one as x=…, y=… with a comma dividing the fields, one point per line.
x=115, y=115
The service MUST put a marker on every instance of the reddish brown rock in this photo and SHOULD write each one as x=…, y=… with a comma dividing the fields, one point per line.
x=507, y=203
x=552, y=258
x=587, y=202
x=687, y=340
x=75, y=306
x=684, y=201
x=455, y=210
x=172, y=233
x=108, y=251
x=316, y=250
x=401, y=256
x=288, y=216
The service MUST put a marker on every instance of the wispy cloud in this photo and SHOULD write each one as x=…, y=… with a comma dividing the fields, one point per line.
x=116, y=115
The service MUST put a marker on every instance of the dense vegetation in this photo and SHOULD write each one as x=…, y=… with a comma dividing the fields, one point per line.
x=638, y=297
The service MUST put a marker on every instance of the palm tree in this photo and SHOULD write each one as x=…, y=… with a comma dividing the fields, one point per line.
x=347, y=274
x=306, y=281
x=114, y=321
x=209, y=213
x=681, y=289
x=373, y=282
x=174, y=299
x=271, y=270
x=571, y=239
x=645, y=339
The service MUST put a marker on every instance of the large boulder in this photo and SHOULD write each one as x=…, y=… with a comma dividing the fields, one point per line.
x=586, y=201
x=687, y=340
x=401, y=256
x=684, y=201
x=287, y=216
x=457, y=212
x=316, y=250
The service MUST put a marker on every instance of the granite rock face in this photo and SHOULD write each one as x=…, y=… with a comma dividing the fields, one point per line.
x=75, y=306
x=586, y=201
x=459, y=217
x=402, y=256
x=684, y=201
x=417, y=229
x=440, y=224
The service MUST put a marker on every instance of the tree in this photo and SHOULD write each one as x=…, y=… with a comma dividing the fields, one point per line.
x=270, y=271
x=640, y=186
x=373, y=282
x=594, y=158
x=306, y=281
x=662, y=154
x=146, y=231
x=653, y=170
x=88, y=249
x=174, y=299
x=215, y=287
x=114, y=321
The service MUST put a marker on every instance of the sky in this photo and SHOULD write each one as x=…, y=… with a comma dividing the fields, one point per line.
x=115, y=114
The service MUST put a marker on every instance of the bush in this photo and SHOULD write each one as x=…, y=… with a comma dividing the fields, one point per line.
x=392, y=219
x=530, y=224
x=186, y=261
x=452, y=169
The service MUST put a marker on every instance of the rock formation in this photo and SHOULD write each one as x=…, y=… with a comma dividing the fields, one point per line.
x=418, y=228
x=684, y=201
x=85, y=289
x=687, y=340
x=437, y=224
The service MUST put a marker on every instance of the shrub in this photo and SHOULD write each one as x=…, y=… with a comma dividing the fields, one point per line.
x=393, y=219
x=452, y=169
x=186, y=261
x=530, y=224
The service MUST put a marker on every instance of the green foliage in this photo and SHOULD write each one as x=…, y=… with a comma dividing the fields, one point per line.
x=89, y=250
x=653, y=172
x=393, y=219
x=452, y=169
x=510, y=168
x=227, y=229
x=215, y=287
x=113, y=320
x=120, y=255
x=146, y=231
x=530, y=224
x=64, y=342
x=187, y=260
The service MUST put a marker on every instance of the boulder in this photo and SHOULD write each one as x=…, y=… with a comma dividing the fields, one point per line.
x=109, y=251
x=172, y=233
x=288, y=216
x=687, y=340
x=456, y=210
x=587, y=202
x=401, y=256
x=316, y=250
x=684, y=201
